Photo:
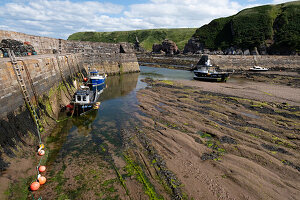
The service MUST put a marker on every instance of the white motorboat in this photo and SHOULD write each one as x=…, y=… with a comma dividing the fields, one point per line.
x=258, y=69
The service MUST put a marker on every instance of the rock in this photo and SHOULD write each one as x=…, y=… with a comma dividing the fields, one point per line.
x=206, y=51
x=137, y=45
x=156, y=48
x=262, y=49
x=239, y=52
x=170, y=47
x=254, y=51
x=193, y=46
x=247, y=52
x=230, y=51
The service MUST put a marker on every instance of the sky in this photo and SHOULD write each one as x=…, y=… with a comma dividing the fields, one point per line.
x=61, y=18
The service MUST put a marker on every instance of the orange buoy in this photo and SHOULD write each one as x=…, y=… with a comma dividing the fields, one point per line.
x=41, y=152
x=42, y=180
x=35, y=186
x=42, y=168
x=85, y=79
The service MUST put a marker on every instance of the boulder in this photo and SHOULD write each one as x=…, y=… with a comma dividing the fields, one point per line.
x=247, y=52
x=254, y=51
x=170, y=47
x=239, y=52
x=193, y=46
x=156, y=48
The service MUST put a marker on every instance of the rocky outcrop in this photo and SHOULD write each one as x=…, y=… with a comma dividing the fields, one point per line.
x=137, y=46
x=170, y=47
x=193, y=46
x=167, y=46
x=156, y=48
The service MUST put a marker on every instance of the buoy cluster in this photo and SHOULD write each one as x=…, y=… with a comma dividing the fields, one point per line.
x=41, y=180
x=97, y=105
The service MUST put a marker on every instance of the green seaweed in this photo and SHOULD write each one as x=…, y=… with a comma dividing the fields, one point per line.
x=134, y=169
x=19, y=189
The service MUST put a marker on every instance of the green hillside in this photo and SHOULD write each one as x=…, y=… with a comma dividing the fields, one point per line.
x=146, y=37
x=276, y=27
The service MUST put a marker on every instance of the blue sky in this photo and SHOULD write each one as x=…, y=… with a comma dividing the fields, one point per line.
x=60, y=18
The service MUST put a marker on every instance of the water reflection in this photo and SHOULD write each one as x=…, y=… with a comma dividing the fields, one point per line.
x=116, y=113
x=118, y=86
x=84, y=122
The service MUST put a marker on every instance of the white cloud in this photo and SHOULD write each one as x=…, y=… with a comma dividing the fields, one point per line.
x=280, y=1
x=60, y=18
x=55, y=18
x=178, y=13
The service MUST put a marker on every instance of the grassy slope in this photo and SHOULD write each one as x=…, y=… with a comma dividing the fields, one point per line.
x=146, y=37
x=254, y=27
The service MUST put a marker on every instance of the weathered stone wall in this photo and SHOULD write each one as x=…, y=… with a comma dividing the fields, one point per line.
x=113, y=58
x=228, y=62
x=42, y=70
x=240, y=62
x=42, y=45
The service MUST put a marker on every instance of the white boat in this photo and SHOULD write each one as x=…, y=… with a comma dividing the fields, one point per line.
x=205, y=71
x=258, y=69
x=85, y=99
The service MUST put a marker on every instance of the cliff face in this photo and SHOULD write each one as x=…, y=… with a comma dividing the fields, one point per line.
x=272, y=29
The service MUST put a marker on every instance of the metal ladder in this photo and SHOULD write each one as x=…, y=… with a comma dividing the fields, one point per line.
x=23, y=87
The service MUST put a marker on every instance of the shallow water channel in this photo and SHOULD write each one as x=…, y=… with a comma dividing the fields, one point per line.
x=86, y=135
x=118, y=104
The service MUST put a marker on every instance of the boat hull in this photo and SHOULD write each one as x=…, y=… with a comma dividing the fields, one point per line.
x=258, y=70
x=219, y=77
x=80, y=109
x=97, y=82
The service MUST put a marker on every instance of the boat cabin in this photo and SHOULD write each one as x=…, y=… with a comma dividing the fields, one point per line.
x=207, y=69
x=94, y=73
x=82, y=95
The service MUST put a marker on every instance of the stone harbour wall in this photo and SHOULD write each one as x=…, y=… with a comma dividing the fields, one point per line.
x=113, y=58
x=43, y=78
x=42, y=45
x=227, y=62
x=239, y=62
x=43, y=71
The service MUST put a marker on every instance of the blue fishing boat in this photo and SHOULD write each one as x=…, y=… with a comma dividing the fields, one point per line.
x=96, y=79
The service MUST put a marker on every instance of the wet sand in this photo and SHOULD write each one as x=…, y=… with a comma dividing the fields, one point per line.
x=226, y=140
x=190, y=140
x=249, y=89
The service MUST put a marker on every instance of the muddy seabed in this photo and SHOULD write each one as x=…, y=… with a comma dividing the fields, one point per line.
x=221, y=145
x=189, y=140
